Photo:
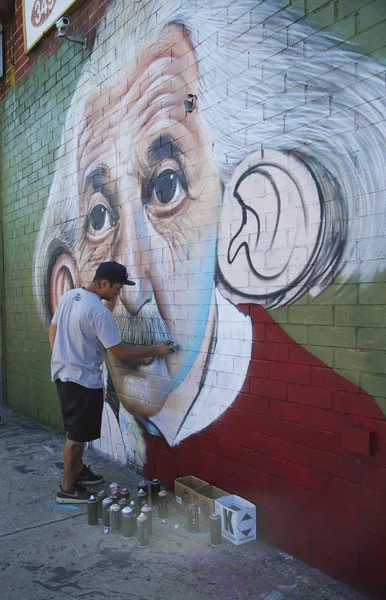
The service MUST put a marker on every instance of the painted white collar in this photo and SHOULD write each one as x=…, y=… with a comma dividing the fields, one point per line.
x=224, y=378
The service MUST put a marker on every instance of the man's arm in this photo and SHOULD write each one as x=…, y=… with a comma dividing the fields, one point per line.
x=134, y=352
x=52, y=334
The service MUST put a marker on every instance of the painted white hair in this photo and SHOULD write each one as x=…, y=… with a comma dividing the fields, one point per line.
x=267, y=81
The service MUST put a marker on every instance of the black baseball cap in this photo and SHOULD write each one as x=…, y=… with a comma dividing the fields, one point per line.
x=113, y=272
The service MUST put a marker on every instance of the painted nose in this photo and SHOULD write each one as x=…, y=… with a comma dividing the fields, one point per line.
x=135, y=297
x=134, y=254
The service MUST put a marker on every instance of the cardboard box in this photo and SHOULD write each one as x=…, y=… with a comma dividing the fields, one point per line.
x=183, y=489
x=238, y=519
x=204, y=498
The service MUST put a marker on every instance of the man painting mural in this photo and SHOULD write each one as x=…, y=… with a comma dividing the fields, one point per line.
x=263, y=194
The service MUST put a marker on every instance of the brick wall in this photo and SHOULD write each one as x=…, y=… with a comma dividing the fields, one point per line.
x=254, y=227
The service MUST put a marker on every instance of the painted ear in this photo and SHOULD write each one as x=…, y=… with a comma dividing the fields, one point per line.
x=282, y=229
x=64, y=277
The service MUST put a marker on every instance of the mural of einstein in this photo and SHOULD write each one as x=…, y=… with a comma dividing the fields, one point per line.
x=261, y=194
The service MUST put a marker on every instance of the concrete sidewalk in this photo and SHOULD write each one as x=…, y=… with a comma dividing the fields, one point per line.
x=48, y=551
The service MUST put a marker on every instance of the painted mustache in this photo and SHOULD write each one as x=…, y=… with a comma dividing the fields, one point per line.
x=143, y=329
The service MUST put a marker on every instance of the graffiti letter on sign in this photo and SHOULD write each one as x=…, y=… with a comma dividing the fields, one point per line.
x=228, y=520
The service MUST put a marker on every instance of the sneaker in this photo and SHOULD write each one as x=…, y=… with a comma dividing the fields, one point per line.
x=87, y=477
x=76, y=494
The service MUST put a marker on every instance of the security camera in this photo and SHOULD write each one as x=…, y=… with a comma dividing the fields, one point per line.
x=190, y=102
x=62, y=25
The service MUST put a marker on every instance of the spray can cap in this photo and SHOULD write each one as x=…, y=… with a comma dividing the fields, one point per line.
x=127, y=510
x=141, y=518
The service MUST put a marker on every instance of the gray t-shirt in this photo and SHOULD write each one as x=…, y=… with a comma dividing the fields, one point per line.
x=85, y=327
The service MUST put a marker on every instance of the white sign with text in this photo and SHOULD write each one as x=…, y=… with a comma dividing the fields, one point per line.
x=39, y=16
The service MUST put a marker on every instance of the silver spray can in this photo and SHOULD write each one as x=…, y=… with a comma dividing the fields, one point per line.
x=129, y=522
x=134, y=507
x=106, y=503
x=101, y=496
x=192, y=518
x=142, y=531
x=142, y=485
x=148, y=511
x=215, y=529
x=141, y=498
x=115, y=518
x=92, y=511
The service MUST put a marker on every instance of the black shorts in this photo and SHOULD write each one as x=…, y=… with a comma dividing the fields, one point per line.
x=81, y=410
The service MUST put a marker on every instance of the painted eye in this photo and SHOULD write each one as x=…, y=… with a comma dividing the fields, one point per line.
x=100, y=219
x=168, y=186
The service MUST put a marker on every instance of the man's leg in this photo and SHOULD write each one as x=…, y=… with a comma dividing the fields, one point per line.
x=73, y=463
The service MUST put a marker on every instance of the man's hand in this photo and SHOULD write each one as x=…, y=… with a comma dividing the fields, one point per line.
x=133, y=353
x=165, y=348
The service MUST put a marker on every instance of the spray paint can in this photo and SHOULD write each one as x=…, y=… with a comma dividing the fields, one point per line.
x=143, y=531
x=113, y=486
x=192, y=518
x=142, y=485
x=101, y=496
x=115, y=518
x=125, y=493
x=134, y=507
x=129, y=522
x=92, y=511
x=215, y=529
x=141, y=498
x=106, y=503
x=123, y=503
x=163, y=508
x=115, y=496
x=148, y=511
x=155, y=488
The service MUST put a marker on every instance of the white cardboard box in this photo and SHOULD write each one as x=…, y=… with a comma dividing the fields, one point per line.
x=238, y=519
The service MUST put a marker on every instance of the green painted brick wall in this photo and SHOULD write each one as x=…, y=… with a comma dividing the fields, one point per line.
x=31, y=119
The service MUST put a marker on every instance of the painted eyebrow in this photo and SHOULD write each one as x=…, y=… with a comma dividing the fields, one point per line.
x=161, y=148
x=97, y=176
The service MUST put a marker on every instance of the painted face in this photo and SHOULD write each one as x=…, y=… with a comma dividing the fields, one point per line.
x=150, y=198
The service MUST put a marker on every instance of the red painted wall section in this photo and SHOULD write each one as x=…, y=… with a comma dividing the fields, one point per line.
x=286, y=444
